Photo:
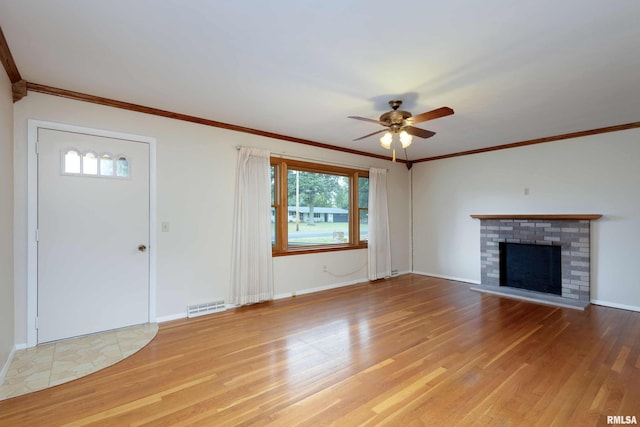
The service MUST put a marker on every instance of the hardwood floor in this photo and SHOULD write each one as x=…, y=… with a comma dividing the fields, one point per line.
x=408, y=351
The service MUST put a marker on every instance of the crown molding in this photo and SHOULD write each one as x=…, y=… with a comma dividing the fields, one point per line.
x=49, y=90
x=7, y=60
x=561, y=137
x=78, y=96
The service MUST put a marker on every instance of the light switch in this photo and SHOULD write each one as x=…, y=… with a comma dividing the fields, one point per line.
x=165, y=227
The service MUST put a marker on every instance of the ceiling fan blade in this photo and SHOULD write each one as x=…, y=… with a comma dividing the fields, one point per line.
x=372, y=133
x=420, y=133
x=430, y=115
x=364, y=119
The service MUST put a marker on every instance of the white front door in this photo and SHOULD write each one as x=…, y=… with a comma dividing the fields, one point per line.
x=93, y=234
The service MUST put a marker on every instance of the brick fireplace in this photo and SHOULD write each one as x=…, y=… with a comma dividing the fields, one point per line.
x=572, y=233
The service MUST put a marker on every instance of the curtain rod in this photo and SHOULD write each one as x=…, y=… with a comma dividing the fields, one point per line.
x=310, y=159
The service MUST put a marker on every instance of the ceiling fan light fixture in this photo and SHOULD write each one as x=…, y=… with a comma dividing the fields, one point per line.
x=386, y=140
x=405, y=139
x=402, y=123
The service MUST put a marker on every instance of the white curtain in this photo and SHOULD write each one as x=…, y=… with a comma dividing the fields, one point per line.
x=379, y=237
x=251, y=266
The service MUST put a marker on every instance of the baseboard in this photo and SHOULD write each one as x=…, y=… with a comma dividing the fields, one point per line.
x=170, y=317
x=455, y=279
x=477, y=282
x=615, y=305
x=399, y=273
x=5, y=368
x=320, y=288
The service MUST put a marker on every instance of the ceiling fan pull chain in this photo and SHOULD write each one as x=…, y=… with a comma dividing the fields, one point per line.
x=394, y=155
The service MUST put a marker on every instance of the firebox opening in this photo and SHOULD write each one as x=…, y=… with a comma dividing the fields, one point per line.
x=532, y=267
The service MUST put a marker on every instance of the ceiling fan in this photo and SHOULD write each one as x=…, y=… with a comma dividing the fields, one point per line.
x=401, y=122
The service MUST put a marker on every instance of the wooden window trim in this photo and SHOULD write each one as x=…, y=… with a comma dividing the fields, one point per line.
x=282, y=166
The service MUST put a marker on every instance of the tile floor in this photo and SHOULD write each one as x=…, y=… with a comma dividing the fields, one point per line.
x=47, y=365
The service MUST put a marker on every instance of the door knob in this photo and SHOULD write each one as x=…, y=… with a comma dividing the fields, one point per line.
x=142, y=248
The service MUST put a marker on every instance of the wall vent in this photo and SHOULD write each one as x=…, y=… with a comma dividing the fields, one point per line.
x=206, y=308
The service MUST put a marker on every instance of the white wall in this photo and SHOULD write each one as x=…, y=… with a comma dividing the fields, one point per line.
x=6, y=221
x=595, y=174
x=195, y=179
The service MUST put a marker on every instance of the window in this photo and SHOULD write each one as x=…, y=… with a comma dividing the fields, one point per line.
x=317, y=207
x=89, y=163
x=363, y=207
x=71, y=162
x=122, y=167
x=106, y=165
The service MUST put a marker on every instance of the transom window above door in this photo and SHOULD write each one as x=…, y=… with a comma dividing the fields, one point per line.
x=105, y=165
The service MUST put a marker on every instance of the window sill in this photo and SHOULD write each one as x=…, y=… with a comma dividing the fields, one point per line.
x=319, y=249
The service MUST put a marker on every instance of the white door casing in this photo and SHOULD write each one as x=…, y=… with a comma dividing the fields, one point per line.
x=86, y=273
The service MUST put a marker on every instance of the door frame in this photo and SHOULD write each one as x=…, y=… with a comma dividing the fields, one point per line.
x=32, y=214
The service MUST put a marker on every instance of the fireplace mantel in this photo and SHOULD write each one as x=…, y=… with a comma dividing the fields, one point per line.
x=572, y=217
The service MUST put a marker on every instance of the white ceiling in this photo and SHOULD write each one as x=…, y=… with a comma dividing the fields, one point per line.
x=511, y=70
